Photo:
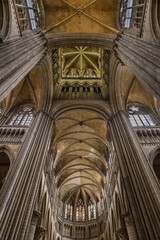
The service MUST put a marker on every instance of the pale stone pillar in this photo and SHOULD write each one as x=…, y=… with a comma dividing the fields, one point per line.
x=142, y=58
x=18, y=57
x=35, y=217
x=140, y=183
x=19, y=192
x=129, y=226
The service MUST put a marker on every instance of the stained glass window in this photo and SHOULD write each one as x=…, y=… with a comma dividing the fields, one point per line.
x=91, y=211
x=140, y=117
x=80, y=211
x=69, y=210
x=22, y=117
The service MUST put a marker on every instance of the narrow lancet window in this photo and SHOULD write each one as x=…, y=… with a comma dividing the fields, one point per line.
x=69, y=210
x=80, y=211
x=91, y=211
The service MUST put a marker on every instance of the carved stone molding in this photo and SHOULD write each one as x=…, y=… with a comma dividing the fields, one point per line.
x=40, y=232
x=122, y=233
x=126, y=217
x=80, y=39
x=36, y=215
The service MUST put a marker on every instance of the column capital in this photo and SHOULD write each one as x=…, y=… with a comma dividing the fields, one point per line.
x=127, y=218
x=118, y=113
x=36, y=215
x=122, y=233
x=40, y=232
x=46, y=113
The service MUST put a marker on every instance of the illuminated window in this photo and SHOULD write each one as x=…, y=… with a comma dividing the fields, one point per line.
x=22, y=117
x=140, y=117
x=28, y=14
x=69, y=210
x=91, y=211
x=131, y=12
x=80, y=211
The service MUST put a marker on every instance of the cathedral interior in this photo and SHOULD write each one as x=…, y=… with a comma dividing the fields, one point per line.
x=79, y=119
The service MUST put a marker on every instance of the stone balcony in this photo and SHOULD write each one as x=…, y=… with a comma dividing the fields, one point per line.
x=13, y=134
x=148, y=135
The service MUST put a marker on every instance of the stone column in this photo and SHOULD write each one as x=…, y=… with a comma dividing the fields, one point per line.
x=142, y=58
x=18, y=57
x=140, y=183
x=35, y=217
x=129, y=226
x=19, y=192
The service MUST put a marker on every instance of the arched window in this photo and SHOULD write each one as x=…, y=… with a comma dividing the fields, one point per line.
x=80, y=211
x=91, y=211
x=28, y=14
x=156, y=166
x=140, y=116
x=69, y=210
x=131, y=13
x=22, y=117
x=4, y=167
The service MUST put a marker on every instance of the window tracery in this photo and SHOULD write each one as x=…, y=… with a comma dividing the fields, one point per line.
x=28, y=14
x=131, y=13
x=69, y=210
x=91, y=211
x=80, y=211
x=22, y=117
x=140, y=117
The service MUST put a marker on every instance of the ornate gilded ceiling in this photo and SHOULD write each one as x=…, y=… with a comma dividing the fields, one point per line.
x=81, y=16
x=81, y=62
x=80, y=72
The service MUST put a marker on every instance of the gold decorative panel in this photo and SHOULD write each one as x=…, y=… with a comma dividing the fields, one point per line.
x=81, y=62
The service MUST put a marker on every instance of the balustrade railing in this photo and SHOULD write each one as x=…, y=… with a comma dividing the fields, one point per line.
x=12, y=134
x=148, y=135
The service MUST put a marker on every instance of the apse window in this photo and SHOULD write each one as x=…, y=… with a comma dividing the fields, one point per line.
x=69, y=210
x=140, y=117
x=80, y=211
x=91, y=211
x=22, y=117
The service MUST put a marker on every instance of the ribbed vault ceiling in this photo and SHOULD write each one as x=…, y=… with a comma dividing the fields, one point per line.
x=73, y=16
x=81, y=154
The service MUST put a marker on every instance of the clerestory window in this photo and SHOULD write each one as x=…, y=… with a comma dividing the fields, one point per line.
x=140, y=117
x=27, y=14
x=131, y=13
x=22, y=117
